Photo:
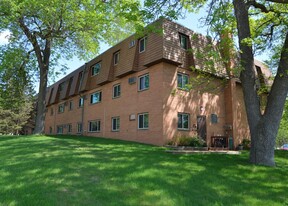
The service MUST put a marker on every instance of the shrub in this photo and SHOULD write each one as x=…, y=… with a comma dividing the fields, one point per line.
x=246, y=144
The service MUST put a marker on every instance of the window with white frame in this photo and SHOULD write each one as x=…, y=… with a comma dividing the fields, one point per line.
x=182, y=81
x=79, y=128
x=61, y=108
x=116, y=90
x=143, y=82
x=96, y=97
x=94, y=126
x=143, y=121
x=116, y=57
x=60, y=129
x=81, y=102
x=142, y=44
x=95, y=69
x=69, y=128
x=183, y=121
x=115, y=124
x=183, y=41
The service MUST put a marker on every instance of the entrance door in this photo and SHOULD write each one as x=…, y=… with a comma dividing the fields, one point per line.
x=201, y=127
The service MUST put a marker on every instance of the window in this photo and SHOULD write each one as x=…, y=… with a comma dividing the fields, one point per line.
x=70, y=105
x=51, y=111
x=81, y=102
x=50, y=130
x=116, y=91
x=183, y=121
x=183, y=41
x=132, y=43
x=79, y=128
x=94, y=126
x=182, y=81
x=60, y=129
x=143, y=121
x=61, y=87
x=95, y=98
x=142, y=44
x=116, y=58
x=69, y=128
x=61, y=108
x=95, y=69
x=214, y=118
x=143, y=82
x=115, y=124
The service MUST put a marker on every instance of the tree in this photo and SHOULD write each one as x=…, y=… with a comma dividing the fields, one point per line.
x=282, y=136
x=260, y=26
x=53, y=29
x=16, y=92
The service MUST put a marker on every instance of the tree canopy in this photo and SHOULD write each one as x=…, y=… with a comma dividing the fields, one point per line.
x=16, y=91
x=53, y=29
x=261, y=26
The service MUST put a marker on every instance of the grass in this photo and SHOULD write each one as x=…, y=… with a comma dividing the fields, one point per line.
x=42, y=170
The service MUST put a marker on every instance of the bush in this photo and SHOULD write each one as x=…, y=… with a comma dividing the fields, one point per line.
x=246, y=144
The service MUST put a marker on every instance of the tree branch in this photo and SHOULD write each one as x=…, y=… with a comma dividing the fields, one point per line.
x=32, y=38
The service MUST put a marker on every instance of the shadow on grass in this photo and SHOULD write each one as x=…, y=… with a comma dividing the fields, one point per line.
x=73, y=170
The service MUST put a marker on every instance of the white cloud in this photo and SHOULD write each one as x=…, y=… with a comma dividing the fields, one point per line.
x=4, y=37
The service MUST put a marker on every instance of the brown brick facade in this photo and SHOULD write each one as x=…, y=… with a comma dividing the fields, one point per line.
x=161, y=102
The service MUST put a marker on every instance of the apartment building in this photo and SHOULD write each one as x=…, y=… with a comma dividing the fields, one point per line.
x=136, y=91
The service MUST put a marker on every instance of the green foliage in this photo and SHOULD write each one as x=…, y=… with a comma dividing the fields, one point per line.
x=246, y=144
x=54, y=29
x=76, y=170
x=282, y=136
x=16, y=92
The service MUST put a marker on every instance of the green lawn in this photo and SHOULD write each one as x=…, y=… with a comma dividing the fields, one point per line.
x=42, y=170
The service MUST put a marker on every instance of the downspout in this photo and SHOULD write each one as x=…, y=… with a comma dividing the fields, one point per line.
x=82, y=96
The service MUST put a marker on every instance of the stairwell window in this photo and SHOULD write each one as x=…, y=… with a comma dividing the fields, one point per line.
x=142, y=44
x=70, y=105
x=116, y=57
x=143, y=82
x=95, y=69
x=79, y=128
x=94, y=126
x=143, y=121
x=81, y=102
x=69, y=128
x=183, y=121
x=115, y=124
x=61, y=108
x=182, y=81
x=183, y=41
x=96, y=97
x=116, y=90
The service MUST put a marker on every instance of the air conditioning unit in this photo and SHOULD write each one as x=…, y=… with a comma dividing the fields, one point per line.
x=132, y=80
x=132, y=117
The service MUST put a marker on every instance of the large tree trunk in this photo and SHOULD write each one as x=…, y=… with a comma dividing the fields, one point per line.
x=41, y=103
x=41, y=106
x=263, y=128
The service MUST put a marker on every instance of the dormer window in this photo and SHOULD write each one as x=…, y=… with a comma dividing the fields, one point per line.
x=142, y=44
x=183, y=41
x=95, y=69
x=116, y=57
